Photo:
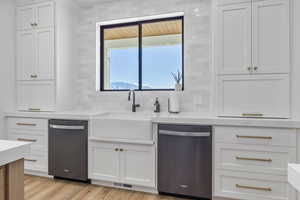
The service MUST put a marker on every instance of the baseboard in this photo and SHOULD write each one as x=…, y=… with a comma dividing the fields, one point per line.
x=37, y=173
x=133, y=188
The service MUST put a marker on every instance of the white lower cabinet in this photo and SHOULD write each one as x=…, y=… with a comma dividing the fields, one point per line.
x=122, y=163
x=34, y=131
x=251, y=162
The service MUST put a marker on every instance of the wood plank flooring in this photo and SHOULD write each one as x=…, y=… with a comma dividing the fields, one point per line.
x=38, y=188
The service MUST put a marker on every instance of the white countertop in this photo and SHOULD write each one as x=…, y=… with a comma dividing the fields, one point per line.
x=182, y=118
x=11, y=151
x=294, y=175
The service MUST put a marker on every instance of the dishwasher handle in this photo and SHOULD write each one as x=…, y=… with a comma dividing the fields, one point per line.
x=64, y=127
x=184, y=134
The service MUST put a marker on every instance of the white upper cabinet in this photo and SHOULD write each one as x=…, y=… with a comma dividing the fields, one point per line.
x=35, y=42
x=44, y=15
x=26, y=55
x=45, y=54
x=234, y=38
x=271, y=49
x=25, y=17
x=253, y=38
x=35, y=55
x=224, y=2
x=35, y=16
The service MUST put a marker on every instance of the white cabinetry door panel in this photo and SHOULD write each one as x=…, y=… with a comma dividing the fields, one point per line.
x=249, y=158
x=266, y=137
x=36, y=95
x=250, y=186
x=248, y=96
x=25, y=17
x=45, y=54
x=271, y=49
x=104, y=161
x=138, y=165
x=44, y=15
x=234, y=39
x=26, y=55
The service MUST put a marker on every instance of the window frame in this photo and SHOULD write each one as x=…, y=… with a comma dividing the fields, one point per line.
x=138, y=23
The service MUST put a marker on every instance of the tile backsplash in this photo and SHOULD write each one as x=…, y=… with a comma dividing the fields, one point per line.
x=197, y=96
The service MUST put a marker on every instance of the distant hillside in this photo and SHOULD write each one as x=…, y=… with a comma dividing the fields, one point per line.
x=119, y=85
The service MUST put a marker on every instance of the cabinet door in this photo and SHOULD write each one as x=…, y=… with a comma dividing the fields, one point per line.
x=36, y=95
x=254, y=96
x=44, y=15
x=45, y=54
x=271, y=49
x=25, y=17
x=104, y=161
x=26, y=55
x=233, y=39
x=138, y=165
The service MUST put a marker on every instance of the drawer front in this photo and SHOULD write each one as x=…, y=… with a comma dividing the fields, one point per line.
x=250, y=158
x=27, y=124
x=36, y=163
x=256, y=136
x=39, y=142
x=252, y=186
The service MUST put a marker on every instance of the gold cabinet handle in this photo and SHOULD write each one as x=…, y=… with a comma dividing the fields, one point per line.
x=255, y=137
x=30, y=160
x=253, y=188
x=26, y=140
x=33, y=76
x=25, y=124
x=253, y=159
x=252, y=115
x=34, y=109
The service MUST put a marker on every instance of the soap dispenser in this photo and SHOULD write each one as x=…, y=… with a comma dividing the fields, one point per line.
x=156, y=106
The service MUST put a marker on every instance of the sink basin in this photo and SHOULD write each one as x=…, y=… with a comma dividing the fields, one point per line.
x=129, y=126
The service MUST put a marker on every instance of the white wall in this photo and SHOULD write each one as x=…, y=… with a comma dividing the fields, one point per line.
x=67, y=18
x=198, y=83
x=7, y=42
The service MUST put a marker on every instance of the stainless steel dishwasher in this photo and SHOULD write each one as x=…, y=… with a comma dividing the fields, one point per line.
x=185, y=160
x=68, y=157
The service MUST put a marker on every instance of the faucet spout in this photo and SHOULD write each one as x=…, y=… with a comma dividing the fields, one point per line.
x=134, y=105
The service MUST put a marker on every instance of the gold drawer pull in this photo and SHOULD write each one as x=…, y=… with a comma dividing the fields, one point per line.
x=252, y=115
x=25, y=124
x=34, y=109
x=30, y=160
x=254, y=159
x=253, y=188
x=255, y=137
x=26, y=140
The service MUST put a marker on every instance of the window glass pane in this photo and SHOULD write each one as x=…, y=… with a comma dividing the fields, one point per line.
x=162, y=53
x=121, y=53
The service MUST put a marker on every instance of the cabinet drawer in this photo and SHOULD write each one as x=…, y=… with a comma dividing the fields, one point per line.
x=28, y=124
x=39, y=142
x=2, y=183
x=250, y=158
x=36, y=163
x=249, y=186
x=265, y=96
x=256, y=136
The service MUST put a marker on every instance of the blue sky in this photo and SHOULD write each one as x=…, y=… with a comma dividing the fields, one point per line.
x=158, y=63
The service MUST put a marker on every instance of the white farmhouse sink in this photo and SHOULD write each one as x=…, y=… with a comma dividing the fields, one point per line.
x=128, y=126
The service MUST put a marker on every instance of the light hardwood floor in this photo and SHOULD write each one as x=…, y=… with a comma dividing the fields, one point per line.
x=38, y=188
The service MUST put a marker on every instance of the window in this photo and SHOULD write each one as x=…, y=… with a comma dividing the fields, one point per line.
x=141, y=55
